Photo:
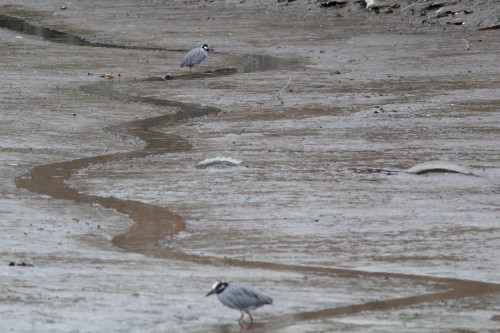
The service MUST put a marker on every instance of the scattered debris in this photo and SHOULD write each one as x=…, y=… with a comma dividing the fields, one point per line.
x=469, y=14
x=108, y=76
x=375, y=170
x=219, y=163
x=22, y=264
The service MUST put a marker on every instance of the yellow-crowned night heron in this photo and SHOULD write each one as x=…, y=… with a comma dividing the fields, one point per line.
x=240, y=297
x=194, y=57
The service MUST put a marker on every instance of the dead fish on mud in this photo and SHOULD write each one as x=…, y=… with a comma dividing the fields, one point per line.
x=421, y=168
x=218, y=163
x=437, y=166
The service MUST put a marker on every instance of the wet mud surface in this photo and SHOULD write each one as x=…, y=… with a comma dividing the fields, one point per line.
x=364, y=250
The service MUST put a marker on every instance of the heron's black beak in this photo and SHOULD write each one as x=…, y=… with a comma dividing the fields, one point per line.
x=211, y=50
x=210, y=293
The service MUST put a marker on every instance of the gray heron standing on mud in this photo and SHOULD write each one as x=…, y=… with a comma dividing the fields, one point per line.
x=240, y=297
x=195, y=57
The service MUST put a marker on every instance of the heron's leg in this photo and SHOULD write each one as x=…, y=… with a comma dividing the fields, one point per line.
x=241, y=317
x=250, y=315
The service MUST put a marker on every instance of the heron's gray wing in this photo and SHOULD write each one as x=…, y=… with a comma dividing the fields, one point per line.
x=245, y=297
x=194, y=57
x=187, y=57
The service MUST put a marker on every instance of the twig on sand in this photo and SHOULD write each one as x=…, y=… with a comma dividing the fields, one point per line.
x=412, y=4
x=277, y=95
x=466, y=43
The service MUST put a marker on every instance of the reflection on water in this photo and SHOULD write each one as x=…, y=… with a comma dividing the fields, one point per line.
x=253, y=63
x=20, y=25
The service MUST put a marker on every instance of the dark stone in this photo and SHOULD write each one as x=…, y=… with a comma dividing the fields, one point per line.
x=337, y=4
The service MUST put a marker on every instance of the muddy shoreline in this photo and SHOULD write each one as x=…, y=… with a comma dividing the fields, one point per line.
x=155, y=222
